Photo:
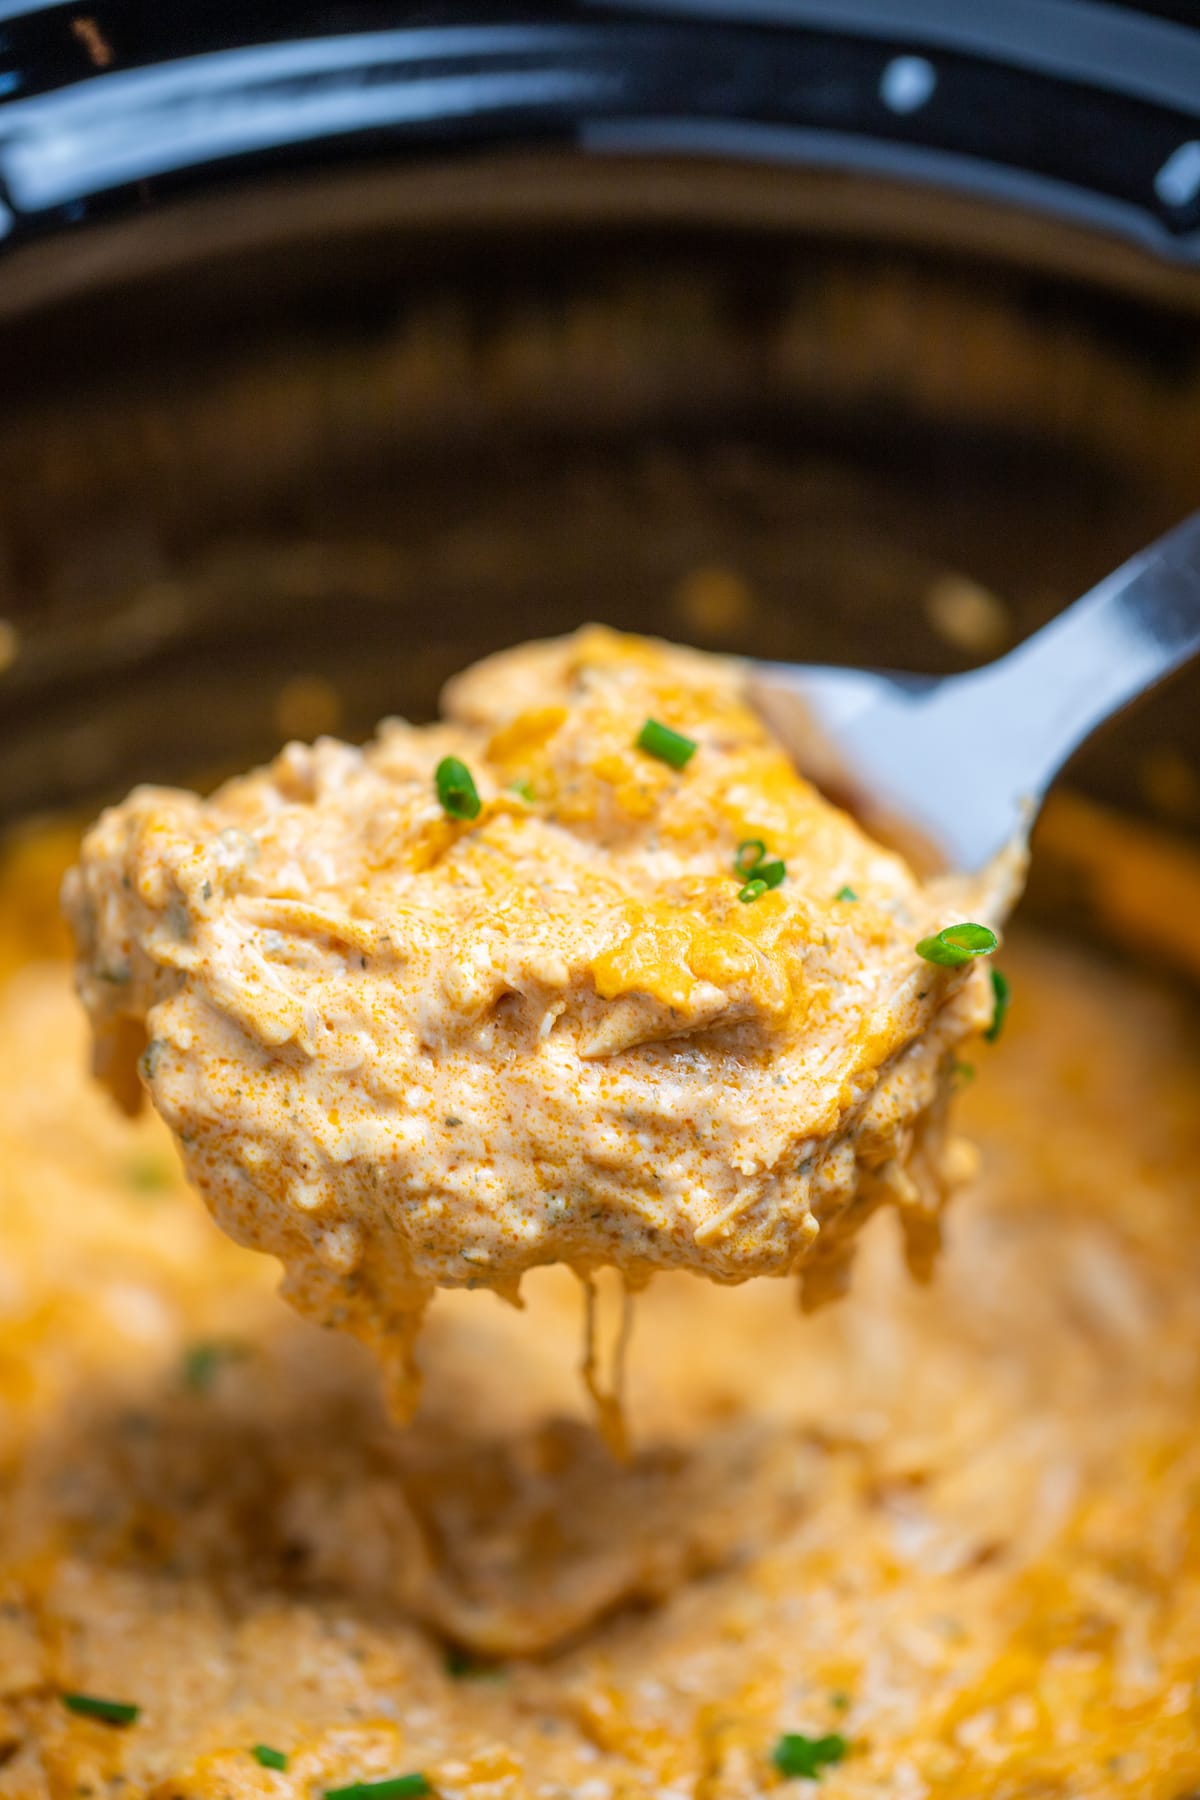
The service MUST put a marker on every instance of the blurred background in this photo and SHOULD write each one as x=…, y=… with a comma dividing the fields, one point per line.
x=342, y=343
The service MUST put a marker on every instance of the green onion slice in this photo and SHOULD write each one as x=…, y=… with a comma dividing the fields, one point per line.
x=110, y=1712
x=461, y=1666
x=456, y=789
x=957, y=944
x=523, y=790
x=796, y=1755
x=667, y=745
x=757, y=873
x=268, y=1758
x=392, y=1787
x=203, y=1362
x=845, y=893
x=1002, y=994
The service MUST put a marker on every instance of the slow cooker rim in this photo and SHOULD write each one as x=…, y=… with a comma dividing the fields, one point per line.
x=1090, y=125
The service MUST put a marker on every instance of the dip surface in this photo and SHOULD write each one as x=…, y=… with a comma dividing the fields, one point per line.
x=403, y=1049
x=959, y=1528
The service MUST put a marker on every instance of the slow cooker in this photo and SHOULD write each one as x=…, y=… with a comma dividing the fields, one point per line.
x=342, y=343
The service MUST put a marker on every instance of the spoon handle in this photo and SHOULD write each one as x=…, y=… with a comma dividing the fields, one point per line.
x=1139, y=624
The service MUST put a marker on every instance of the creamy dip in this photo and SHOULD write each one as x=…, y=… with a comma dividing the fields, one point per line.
x=403, y=1048
x=954, y=1528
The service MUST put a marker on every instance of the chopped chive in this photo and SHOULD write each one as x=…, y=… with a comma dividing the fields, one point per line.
x=845, y=893
x=523, y=790
x=667, y=745
x=963, y=1072
x=203, y=1362
x=460, y=1665
x=749, y=854
x=957, y=944
x=456, y=789
x=757, y=874
x=268, y=1758
x=148, y=1174
x=1002, y=994
x=392, y=1787
x=110, y=1712
x=797, y=1755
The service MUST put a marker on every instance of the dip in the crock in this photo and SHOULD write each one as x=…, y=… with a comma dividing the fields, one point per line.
x=954, y=1530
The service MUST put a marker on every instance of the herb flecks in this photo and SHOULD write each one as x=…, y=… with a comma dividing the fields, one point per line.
x=796, y=1755
x=667, y=746
x=958, y=944
x=109, y=1712
x=460, y=1665
x=147, y=1173
x=456, y=789
x=845, y=893
x=204, y=1360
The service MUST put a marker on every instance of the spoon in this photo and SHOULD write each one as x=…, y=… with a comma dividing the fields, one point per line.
x=961, y=763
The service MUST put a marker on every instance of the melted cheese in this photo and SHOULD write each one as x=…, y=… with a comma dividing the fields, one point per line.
x=401, y=1051
x=957, y=1526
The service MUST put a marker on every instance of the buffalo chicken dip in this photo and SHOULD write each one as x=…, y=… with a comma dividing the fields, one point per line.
x=585, y=973
x=936, y=1544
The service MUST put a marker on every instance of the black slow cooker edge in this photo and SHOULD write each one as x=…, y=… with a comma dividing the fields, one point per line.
x=1073, y=108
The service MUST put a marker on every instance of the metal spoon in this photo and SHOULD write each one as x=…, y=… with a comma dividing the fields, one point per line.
x=963, y=762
